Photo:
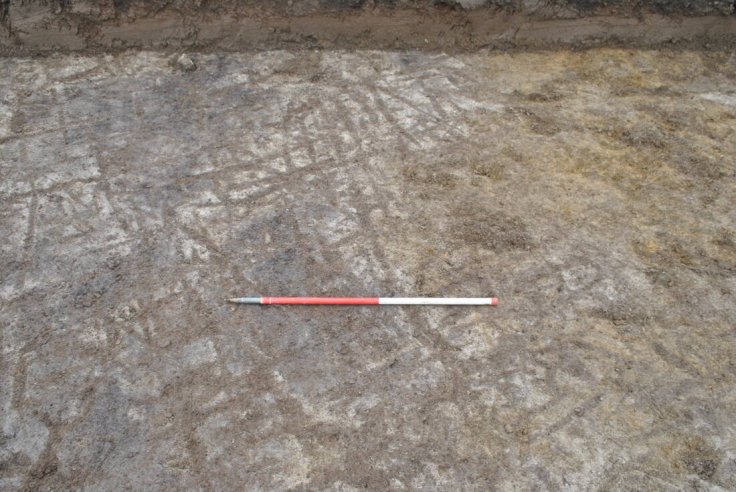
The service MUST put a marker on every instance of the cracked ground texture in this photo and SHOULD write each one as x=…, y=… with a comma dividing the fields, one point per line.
x=592, y=192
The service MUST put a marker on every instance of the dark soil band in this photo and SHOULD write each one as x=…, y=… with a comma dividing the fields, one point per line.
x=38, y=27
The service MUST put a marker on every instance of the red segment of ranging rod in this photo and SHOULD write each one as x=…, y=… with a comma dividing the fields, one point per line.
x=425, y=301
x=319, y=300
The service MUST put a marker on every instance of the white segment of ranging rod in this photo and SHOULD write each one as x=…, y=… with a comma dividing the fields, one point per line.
x=440, y=301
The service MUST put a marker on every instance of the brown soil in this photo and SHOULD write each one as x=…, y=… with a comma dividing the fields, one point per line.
x=92, y=26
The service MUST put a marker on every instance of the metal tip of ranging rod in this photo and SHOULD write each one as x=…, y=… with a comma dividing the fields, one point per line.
x=245, y=300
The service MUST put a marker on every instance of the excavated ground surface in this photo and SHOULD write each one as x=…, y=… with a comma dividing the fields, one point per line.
x=32, y=27
x=592, y=192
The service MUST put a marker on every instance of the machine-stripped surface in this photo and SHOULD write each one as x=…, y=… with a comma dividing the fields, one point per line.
x=593, y=192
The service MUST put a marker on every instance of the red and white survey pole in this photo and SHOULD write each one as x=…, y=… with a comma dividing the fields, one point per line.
x=422, y=301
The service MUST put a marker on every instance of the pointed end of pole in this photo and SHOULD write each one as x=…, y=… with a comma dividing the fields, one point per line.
x=494, y=301
x=245, y=300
